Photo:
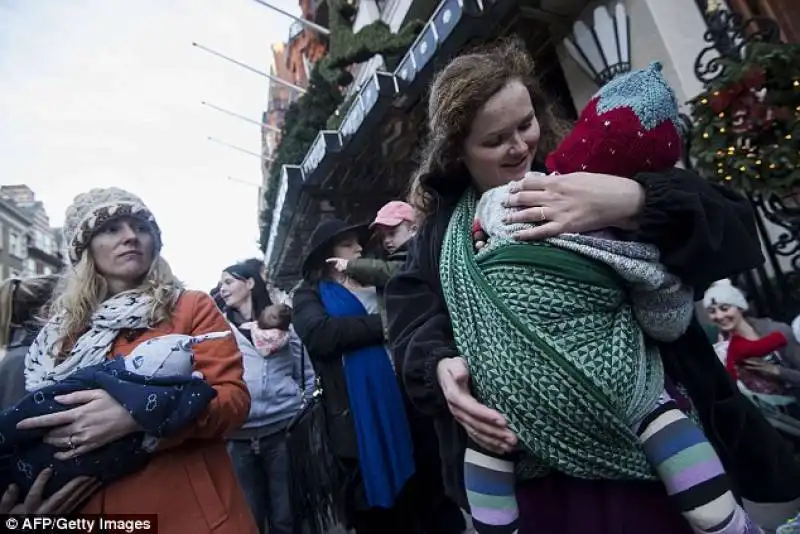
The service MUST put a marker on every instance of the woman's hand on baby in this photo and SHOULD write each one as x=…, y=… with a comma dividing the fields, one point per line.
x=573, y=203
x=340, y=264
x=485, y=426
x=61, y=502
x=96, y=420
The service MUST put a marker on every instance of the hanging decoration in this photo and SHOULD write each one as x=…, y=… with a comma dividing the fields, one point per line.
x=347, y=48
x=747, y=122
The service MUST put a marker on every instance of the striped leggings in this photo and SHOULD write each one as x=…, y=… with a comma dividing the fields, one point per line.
x=677, y=449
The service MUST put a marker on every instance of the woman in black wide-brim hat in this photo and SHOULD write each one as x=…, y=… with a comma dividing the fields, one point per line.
x=338, y=321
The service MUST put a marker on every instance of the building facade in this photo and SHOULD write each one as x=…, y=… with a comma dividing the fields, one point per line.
x=350, y=172
x=38, y=248
x=14, y=227
x=292, y=61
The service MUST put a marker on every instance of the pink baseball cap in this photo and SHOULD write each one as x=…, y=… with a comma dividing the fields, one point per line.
x=394, y=213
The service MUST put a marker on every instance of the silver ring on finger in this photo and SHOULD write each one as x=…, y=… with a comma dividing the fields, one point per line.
x=70, y=442
x=542, y=215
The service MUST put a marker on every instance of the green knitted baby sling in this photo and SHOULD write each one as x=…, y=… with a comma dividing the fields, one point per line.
x=552, y=345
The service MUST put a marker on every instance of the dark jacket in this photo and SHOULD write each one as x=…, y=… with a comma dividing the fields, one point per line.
x=12, y=365
x=326, y=339
x=377, y=272
x=704, y=232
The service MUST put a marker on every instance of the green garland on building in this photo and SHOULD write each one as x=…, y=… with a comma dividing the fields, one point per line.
x=336, y=118
x=346, y=48
x=303, y=120
x=314, y=111
x=747, y=122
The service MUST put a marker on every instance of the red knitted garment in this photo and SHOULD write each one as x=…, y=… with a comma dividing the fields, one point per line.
x=615, y=143
x=741, y=349
x=635, y=129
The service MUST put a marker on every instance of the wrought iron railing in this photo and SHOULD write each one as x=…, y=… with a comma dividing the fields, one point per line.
x=774, y=287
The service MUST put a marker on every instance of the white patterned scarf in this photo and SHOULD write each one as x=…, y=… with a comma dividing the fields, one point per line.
x=124, y=311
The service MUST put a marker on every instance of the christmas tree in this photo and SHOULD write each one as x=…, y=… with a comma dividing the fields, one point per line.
x=747, y=122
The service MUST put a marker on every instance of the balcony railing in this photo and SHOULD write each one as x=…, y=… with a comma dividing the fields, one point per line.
x=362, y=72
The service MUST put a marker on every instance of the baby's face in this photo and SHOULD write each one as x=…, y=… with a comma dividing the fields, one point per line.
x=270, y=318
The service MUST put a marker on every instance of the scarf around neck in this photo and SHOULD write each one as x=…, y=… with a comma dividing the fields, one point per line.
x=128, y=311
x=385, y=452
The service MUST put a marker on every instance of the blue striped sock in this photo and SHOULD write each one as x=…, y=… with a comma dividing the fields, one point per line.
x=489, y=481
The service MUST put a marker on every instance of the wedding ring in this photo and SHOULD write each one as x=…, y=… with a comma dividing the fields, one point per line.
x=542, y=216
x=70, y=444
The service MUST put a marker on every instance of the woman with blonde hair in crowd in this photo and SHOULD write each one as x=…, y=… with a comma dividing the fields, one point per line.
x=120, y=293
x=21, y=300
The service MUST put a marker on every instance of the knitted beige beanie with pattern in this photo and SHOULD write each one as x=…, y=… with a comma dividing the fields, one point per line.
x=91, y=210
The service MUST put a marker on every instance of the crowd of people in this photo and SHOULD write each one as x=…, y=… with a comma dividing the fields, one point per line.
x=516, y=344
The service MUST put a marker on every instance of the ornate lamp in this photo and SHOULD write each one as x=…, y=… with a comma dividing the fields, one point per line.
x=600, y=42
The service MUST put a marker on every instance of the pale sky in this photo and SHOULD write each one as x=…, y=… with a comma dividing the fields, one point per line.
x=95, y=93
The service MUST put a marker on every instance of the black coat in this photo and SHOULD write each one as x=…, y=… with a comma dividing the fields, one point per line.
x=326, y=339
x=704, y=232
x=12, y=364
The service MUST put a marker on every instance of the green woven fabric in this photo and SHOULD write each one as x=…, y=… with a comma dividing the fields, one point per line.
x=552, y=345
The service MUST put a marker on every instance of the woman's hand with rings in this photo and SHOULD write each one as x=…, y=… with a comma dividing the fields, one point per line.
x=573, y=203
x=96, y=420
x=62, y=501
x=485, y=426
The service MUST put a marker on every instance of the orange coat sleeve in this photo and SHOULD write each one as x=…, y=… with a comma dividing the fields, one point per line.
x=221, y=364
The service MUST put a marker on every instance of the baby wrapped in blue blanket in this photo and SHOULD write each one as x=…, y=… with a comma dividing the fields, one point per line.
x=155, y=383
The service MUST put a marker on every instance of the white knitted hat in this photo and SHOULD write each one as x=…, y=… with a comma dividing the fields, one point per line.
x=724, y=292
x=90, y=210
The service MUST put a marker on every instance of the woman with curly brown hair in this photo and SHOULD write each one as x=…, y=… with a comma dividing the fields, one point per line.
x=489, y=124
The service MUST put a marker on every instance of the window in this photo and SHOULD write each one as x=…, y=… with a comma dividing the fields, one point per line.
x=17, y=244
x=30, y=267
x=43, y=241
x=14, y=240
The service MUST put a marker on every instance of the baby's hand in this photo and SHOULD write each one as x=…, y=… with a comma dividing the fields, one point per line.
x=478, y=235
x=491, y=213
x=339, y=264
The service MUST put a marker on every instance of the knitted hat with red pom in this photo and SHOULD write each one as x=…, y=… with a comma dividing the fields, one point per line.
x=631, y=125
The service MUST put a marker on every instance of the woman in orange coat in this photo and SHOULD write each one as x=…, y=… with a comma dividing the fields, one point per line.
x=119, y=294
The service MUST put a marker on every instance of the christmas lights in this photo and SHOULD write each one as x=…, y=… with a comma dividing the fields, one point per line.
x=748, y=116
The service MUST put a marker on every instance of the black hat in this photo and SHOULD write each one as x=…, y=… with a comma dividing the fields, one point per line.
x=325, y=234
x=242, y=271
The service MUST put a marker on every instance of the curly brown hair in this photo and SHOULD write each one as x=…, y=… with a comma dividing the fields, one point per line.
x=459, y=90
